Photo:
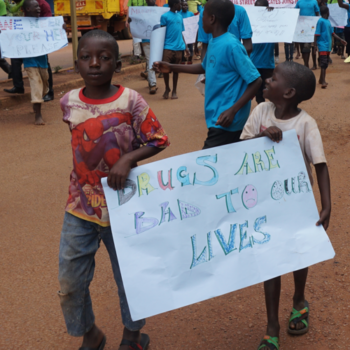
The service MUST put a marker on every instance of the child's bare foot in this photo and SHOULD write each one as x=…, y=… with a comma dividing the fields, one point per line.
x=39, y=120
x=166, y=94
x=324, y=86
x=343, y=57
x=132, y=336
x=297, y=56
x=174, y=96
x=93, y=338
x=314, y=67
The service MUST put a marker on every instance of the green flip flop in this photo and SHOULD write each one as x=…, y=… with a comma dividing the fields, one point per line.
x=296, y=317
x=272, y=343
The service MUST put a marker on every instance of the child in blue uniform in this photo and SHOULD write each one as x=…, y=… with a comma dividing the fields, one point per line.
x=346, y=6
x=231, y=78
x=186, y=14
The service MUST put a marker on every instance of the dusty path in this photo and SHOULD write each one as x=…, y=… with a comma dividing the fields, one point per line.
x=35, y=167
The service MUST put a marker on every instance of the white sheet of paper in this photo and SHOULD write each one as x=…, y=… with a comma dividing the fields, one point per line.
x=337, y=15
x=272, y=3
x=157, y=45
x=191, y=29
x=272, y=26
x=23, y=37
x=144, y=18
x=305, y=29
x=206, y=223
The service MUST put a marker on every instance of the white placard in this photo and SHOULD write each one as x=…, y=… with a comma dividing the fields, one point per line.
x=23, y=37
x=144, y=18
x=305, y=29
x=272, y=3
x=191, y=29
x=202, y=224
x=272, y=26
x=157, y=45
x=337, y=15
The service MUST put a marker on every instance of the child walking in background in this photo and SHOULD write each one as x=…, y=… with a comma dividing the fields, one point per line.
x=231, y=78
x=289, y=51
x=346, y=6
x=174, y=44
x=290, y=85
x=323, y=39
x=186, y=14
x=112, y=129
x=263, y=58
x=337, y=43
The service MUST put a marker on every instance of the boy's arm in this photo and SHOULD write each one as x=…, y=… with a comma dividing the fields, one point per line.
x=165, y=67
x=343, y=5
x=340, y=39
x=325, y=191
x=227, y=116
x=247, y=43
x=121, y=169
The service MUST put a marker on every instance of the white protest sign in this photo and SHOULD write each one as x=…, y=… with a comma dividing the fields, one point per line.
x=337, y=15
x=23, y=37
x=144, y=18
x=157, y=45
x=305, y=29
x=191, y=29
x=272, y=3
x=202, y=224
x=272, y=26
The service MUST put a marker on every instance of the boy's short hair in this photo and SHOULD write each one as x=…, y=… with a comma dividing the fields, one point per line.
x=97, y=33
x=223, y=10
x=262, y=2
x=324, y=10
x=301, y=78
x=171, y=3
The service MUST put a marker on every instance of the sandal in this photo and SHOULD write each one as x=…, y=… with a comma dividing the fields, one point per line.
x=144, y=342
x=272, y=343
x=153, y=90
x=296, y=318
x=100, y=347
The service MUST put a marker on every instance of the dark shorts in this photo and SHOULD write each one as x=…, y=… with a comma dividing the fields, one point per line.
x=306, y=47
x=173, y=57
x=323, y=60
x=219, y=137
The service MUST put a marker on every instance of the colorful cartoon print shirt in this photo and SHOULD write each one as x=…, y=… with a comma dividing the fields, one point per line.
x=103, y=131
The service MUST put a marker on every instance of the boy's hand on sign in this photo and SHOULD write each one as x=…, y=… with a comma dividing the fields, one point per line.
x=162, y=67
x=325, y=215
x=273, y=133
x=226, y=118
x=119, y=173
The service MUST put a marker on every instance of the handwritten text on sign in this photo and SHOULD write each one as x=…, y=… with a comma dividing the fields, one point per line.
x=203, y=224
x=22, y=37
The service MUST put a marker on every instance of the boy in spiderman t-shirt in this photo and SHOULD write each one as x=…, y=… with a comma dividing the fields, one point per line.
x=112, y=129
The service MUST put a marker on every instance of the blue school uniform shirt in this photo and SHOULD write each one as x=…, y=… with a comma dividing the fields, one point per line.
x=35, y=62
x=240, y=25
x=307, y=7
x=228, y=71
x=174, y=28
x=324, y=33
x=186, y=14
x=263, y=56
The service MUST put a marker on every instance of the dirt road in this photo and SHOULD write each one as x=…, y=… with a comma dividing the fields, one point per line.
x=35, y=167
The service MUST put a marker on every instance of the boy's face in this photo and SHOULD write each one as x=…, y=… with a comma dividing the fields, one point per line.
x=96, y=61
x=276, y=87
x=151, y=2
x=208, y=19
x=184, y=6
x=32, y=9
x=326, y=15
x=177, y=6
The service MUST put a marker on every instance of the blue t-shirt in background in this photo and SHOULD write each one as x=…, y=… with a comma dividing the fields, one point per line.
x=36, y=62
x=228, y=71
x=240, y=26
x=324, y=32
x=348, y=25
x=174, y=27
x=166, y=5
x=307, y=7
x=186, y=14
x=263, y=56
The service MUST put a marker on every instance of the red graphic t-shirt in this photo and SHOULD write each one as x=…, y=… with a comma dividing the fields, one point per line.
x=102, y=131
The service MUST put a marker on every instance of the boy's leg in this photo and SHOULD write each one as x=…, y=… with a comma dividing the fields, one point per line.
x=297, y=46
x=314, y=58
x=151, y=74
x=305, y=51
x=189, y=59
x=291, y=51
x=176, y=60
x=132, y=328
x=167, y=57
x=300, y=277
x=323, y=65
x=78, y=245
x=272, y=299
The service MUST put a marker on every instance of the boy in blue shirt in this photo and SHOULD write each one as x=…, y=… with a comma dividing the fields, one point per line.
x=174, y=43
x=323, y=39
x=263, y=59
x=346, y=6
x=186, y=14
x=308, y=8
x=231, y=78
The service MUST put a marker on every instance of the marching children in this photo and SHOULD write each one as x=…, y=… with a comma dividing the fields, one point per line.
x=174, y=44
x=291, y=84
x=263, y=58
x=346, y=6
x=186, y=14
x=112, y=129
x=231, y=78
x=323, y=39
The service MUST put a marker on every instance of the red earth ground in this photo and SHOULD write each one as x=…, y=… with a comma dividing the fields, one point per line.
x=35, y=167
